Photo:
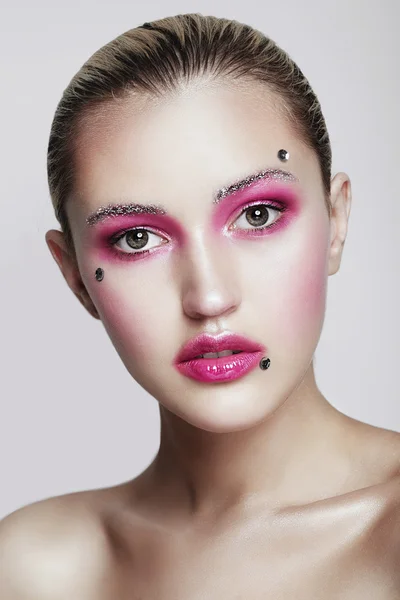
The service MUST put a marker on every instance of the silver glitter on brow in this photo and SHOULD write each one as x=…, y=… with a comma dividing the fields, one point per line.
x=113, y=210
x=266, y=174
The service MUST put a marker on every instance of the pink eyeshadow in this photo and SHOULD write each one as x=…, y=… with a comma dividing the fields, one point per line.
x=264, y=192
x=282, y=196
x=115, y=225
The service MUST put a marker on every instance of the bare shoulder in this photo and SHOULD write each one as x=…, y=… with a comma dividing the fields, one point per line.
x=384, y=455
x=384, y=539
x=383, y=544
x=376, y=452
x=56, y=548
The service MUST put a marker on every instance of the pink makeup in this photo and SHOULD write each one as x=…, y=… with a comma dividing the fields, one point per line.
x=267, y=174
x=116, y=226
x=191, y=362
x=224, y=368
x=113, y=210
x=266, y=188
x=280, y=197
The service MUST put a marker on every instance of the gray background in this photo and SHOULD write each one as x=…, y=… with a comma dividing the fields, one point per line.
x=71, y=417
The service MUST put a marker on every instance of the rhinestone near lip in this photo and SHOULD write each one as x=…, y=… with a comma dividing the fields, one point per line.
x=283, y=155
x=99, y=274
x=264, y=363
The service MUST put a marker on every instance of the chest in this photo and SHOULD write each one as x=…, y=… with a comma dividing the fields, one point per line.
x=279, y=561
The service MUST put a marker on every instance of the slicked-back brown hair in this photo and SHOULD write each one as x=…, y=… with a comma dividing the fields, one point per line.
x=158, y=57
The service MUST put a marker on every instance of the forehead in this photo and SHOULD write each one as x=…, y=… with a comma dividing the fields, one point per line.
x=186, y=143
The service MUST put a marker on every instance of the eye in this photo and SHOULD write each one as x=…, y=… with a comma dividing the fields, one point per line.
x=135, y=241
x=258, y=216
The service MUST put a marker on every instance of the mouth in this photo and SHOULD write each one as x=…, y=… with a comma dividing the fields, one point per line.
x=218, y=359
x=217, y=354
x=206, y=346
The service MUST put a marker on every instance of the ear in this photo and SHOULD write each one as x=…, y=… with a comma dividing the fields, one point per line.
x=69, y=268
x=341, y=206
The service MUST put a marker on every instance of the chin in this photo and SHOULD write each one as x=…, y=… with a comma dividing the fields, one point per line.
x=230, y=407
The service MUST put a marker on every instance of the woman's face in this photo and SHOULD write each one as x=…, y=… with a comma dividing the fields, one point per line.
x=208, y=269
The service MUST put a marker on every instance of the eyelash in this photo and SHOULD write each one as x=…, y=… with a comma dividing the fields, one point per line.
x=128, y=255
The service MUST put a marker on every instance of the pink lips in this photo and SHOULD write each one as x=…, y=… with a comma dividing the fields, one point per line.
x=218, y=369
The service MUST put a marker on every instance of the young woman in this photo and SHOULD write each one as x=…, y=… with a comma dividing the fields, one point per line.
x=190, y=170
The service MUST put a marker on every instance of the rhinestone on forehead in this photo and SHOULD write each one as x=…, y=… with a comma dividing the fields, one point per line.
x=283, y=155
x=113, y=210
x=273, y=173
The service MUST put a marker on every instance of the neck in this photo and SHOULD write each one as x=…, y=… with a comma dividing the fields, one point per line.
x=297, y=455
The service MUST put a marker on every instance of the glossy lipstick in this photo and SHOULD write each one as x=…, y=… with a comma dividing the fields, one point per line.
x=224, y=368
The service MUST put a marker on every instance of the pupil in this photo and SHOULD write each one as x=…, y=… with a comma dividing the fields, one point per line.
x=137, y=239
x=258, y=215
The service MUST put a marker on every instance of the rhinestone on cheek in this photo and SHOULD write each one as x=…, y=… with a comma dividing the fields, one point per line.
x=99, y=274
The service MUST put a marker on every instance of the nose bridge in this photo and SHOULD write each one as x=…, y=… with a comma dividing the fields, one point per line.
x=208, y=277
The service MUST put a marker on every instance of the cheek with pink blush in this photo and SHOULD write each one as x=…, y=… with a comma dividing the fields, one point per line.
x=131, y=316
x=305, y=283
x=306, y=290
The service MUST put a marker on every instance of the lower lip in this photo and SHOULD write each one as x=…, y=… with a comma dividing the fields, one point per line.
x=225, y=368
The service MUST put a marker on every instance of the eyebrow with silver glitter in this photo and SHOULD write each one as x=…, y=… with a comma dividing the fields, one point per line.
x=278, y=174
x=113, y=210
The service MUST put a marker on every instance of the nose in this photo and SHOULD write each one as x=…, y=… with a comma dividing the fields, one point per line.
x=209, y=279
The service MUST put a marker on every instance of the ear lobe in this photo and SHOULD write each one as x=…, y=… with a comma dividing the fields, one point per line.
x=69, y=269
x=341, y=206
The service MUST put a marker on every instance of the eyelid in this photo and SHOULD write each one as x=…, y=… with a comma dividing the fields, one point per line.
x=268, y=203
x=117, y=236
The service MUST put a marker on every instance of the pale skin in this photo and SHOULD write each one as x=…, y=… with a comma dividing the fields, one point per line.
x=260, y=488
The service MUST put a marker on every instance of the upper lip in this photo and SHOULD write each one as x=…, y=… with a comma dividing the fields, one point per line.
x=209, y=343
